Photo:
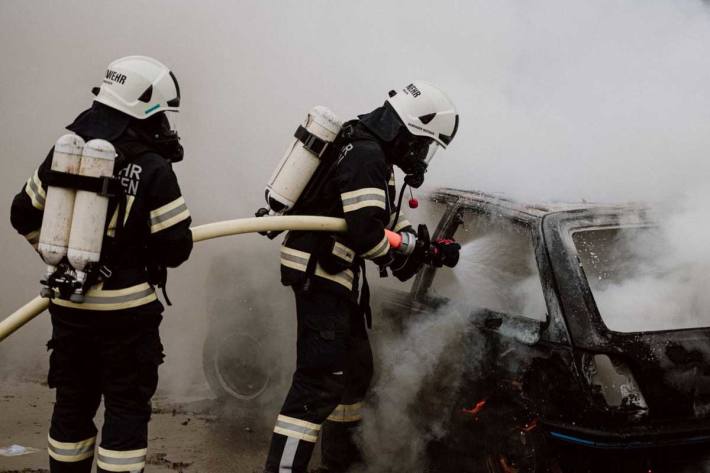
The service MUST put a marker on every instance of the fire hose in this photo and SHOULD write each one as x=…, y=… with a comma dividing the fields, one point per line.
x=201, y=233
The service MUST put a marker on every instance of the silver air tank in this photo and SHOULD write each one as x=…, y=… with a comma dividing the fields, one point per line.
x=90, y=208
x=59, y=204
x=300, y=161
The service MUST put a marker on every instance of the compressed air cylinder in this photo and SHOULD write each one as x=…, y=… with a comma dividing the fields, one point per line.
x=59, y=203
x=299, y=163
x=90, y=208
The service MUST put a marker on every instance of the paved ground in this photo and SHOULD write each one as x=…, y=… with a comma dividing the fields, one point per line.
x=194, y=437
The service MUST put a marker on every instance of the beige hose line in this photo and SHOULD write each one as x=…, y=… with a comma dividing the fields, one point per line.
x=200, y=233
x=267, y=224
x=22, y=315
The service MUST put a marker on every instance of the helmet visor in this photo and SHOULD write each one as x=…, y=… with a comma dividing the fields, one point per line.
x=172, y=119
x=431, y=151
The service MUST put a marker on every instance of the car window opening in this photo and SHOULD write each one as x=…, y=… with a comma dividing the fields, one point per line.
x=638, y=281
x=497, y=271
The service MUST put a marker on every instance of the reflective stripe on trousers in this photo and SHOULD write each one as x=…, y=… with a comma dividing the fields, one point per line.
x=71, y=452
x=347, y=413
x=120, y=461
x=296, y=428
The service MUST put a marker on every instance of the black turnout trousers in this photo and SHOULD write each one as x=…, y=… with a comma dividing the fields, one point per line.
x=94, y=354
x=333, y=373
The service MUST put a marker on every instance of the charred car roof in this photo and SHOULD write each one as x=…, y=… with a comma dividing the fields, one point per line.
x=529, y=211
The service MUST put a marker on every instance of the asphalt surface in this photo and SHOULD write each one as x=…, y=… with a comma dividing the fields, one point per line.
x=198, y=436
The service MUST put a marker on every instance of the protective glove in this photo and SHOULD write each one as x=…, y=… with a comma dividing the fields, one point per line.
x=444, y=253
x=407, y=264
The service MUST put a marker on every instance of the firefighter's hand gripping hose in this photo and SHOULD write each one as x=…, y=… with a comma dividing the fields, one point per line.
x=200, y=233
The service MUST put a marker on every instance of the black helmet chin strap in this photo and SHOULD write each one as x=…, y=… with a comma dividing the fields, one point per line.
x=399, y=204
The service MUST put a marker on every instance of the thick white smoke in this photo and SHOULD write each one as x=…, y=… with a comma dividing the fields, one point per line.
x=583, y=100
x=654, y=279
x=396, y=430
x=559, y=99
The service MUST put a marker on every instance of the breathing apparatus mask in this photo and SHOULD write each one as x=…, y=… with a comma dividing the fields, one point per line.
x=412, y=154
x=160, y=132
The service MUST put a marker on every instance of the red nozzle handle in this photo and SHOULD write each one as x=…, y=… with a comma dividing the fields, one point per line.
x=394, y=238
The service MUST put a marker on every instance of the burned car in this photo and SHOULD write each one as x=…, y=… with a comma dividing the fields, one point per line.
x=589, y=345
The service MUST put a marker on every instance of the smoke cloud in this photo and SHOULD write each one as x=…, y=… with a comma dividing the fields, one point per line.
x=400, y=420
x=559, y=100
x=647, y=279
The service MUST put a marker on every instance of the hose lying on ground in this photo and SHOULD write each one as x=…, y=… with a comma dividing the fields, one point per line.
x=200, y=233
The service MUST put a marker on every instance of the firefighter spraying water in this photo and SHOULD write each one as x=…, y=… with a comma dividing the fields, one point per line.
x=347, y=172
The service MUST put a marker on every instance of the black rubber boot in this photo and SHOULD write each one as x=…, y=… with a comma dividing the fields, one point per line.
x=338, y=449
x=83, y=466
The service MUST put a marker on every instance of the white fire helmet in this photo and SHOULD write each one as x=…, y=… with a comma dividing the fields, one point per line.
x=426, y=111
x=139, y=86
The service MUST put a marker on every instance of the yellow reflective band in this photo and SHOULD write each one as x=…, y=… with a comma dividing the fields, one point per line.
x=183, y=215
x=33, y=188
x=297, y=435
x=380, y=249
x=344, y=278
x=294, y=259
x=113, y=299
x=297, y=428
x=167, y=208
x=402, y=223
x=367, y=197
x=298, y=260
x=343, y=252
x=121, y=468
x=347, y=413
x=168, y=215
x=362, y=204
x=69, y=458
x=111, y=231
x=70, y=452
x=38, y=183
x=122, y=453
x=363, y=192
x=294, y=252
x=33, y=237
x=116, y=460
x=299, y=422
x=293, y=265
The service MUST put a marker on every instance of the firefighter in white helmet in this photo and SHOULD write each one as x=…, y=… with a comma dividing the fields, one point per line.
x=108, y=345
x=334, y=360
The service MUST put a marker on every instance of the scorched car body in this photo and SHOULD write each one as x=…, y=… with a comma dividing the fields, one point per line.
x=557, y=389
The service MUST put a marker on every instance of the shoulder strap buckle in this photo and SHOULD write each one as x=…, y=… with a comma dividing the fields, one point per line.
x=105, y=272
